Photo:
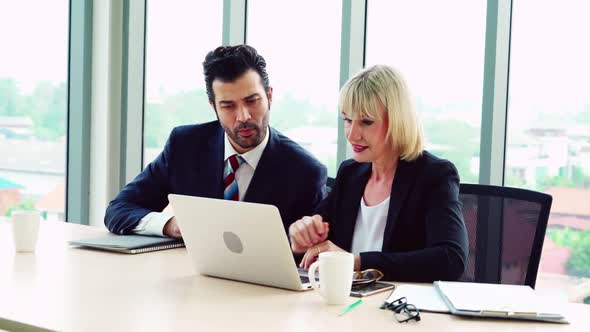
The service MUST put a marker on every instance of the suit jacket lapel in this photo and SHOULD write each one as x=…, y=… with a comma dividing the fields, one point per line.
x=351, y=205
x=403, y=181
x=262, y=181
x=211, y=163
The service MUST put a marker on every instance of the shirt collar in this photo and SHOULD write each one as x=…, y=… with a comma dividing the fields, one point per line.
x=251, y=157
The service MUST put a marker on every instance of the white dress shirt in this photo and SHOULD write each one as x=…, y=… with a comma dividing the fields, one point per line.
x=370, y=227
x=153, y=223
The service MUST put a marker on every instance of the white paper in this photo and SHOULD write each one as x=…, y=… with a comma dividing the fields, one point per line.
x=425, y=298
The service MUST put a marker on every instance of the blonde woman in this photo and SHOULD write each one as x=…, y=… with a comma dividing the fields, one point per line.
x=393, y=205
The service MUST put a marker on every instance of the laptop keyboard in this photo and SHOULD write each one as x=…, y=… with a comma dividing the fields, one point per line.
x=304, y=277
x=304, y=280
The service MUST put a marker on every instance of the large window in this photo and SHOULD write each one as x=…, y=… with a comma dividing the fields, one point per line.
x=439, y=47
x=300, y=41
x=33, y=105
x=179, y=35
x=548, y=141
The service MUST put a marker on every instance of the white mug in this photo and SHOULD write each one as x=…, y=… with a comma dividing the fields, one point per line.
x=25, y=230
x=335, y=276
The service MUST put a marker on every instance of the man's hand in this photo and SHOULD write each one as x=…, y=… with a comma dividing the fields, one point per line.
x=171, y=229
x=307, y=232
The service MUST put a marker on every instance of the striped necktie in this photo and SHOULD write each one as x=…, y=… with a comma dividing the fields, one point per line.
x=230, y=184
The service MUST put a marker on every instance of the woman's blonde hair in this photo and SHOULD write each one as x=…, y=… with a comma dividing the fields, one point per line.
x=361, y=95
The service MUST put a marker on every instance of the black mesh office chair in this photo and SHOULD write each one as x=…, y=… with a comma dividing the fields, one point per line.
x=506, y=228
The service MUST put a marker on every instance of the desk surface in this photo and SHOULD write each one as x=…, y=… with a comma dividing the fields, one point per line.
x=70, y=289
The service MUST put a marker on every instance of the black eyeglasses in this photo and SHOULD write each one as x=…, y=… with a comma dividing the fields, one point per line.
x=366, y=277
x=402, y=311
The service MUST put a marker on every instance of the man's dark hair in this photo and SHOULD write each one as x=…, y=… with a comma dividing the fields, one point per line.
x=227, y=63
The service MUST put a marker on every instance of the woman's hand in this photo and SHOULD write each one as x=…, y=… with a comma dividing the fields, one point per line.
x=307, y=232
x=312, y=253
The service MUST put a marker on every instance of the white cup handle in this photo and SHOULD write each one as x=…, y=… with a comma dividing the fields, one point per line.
x=311, y=275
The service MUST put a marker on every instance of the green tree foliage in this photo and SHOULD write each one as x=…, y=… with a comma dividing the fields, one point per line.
x=563, y=237
x=179, y=109
x=9, y=98
x=459, y=142
x=46, y=106
x=576, y=179
x=50, y=105
x=584, y=116
x=289, y=112
x=578, y=263
x=27, y=205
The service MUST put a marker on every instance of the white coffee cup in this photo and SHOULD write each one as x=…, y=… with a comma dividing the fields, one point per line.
x=25, y=230
x=335, y=276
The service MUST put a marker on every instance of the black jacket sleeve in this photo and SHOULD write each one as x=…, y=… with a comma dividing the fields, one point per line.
x=148, y=192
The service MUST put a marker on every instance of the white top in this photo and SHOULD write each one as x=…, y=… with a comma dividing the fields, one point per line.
x=153, y=223
x=369, y=227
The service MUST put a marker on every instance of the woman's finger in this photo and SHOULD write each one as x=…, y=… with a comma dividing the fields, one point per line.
x=302, y=263
x=311, y=255
x=318, y=226
x=310, y=227
x=303, y=235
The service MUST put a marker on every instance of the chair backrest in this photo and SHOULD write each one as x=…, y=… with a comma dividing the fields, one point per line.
x=506, y=228
x=330, y=184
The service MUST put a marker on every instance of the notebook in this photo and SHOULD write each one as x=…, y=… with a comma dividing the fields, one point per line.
x=499, y=301
x=129, y=244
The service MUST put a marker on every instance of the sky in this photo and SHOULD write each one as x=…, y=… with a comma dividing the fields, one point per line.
x=34, y=39
x=179, y=35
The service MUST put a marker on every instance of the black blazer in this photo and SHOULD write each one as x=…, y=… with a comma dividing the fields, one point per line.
x=425, y=237
x=191, y=163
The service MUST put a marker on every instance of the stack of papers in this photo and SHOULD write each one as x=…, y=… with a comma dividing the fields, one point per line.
x=481, y=300
x=501, y=301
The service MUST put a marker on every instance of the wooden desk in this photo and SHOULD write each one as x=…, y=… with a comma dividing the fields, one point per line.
x=69, y=289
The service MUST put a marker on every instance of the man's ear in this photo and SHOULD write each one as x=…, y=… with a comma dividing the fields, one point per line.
x=269, y=95
x=214, y=109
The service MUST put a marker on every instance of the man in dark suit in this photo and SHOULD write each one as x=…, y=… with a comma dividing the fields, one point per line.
x=237, y=157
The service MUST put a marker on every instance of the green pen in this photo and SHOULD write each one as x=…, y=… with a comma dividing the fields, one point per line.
x=350, y=307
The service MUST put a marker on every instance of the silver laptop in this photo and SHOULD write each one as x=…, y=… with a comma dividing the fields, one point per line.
x=238, y=240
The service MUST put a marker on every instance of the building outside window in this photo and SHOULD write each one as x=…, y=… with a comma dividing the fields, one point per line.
x=33, y=106
x=548, y=138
